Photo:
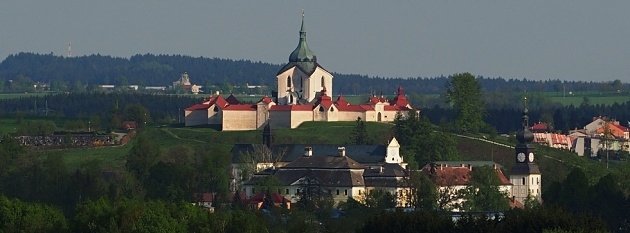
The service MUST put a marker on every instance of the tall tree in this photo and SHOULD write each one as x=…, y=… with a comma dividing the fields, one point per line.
x=359, y=135
x=465, y=94
x=484, y=193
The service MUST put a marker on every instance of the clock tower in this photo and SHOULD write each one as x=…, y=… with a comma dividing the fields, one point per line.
x=525, y=176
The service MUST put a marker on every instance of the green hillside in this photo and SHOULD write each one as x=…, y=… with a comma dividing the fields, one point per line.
x=556, y=164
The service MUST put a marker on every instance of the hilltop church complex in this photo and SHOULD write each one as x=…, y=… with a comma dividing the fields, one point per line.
x=304, y=93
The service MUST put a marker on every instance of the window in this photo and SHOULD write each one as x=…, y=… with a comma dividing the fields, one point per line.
x=323, y=81
x=321, y=108
x=332, y=109
x=359, y=191
x=289, y=81
x=286, y=191
x=345, y=192
x=523, y=180
x=337, y=192
x=297, y=191
x=253, y=190
x=216, y=109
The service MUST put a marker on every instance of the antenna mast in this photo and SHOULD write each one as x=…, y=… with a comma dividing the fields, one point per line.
x=69, y=54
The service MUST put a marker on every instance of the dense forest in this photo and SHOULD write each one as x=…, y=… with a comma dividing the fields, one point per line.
x=162, y=70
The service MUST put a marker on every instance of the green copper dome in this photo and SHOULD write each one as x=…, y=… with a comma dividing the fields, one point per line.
x=302, y=53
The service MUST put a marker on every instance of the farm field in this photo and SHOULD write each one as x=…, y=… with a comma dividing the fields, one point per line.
x=594, y=100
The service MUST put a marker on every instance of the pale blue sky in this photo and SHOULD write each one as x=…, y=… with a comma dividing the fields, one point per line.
x=536, y=39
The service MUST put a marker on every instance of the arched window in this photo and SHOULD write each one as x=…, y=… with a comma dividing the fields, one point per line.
x=523, y=180
x=332, y=109
x=289, y=81
x=290, y=99
x=323, y=81
x=321, y=109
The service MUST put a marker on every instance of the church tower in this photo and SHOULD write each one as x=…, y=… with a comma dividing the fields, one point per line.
x=525, y=176
x=301, y=80
x=268, y=136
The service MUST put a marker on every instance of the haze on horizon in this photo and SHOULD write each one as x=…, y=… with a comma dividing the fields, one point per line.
x=540, y=40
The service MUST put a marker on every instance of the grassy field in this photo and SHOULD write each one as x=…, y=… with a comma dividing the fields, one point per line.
x=577, y=100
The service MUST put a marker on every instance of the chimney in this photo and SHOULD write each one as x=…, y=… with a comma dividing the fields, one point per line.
x=470, y=167
x=217, y=92
x=308, y=151
x=342, y=151
x=513, y=199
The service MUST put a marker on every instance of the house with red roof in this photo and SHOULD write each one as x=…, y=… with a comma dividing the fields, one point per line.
x=451, y=177
x=304, y=94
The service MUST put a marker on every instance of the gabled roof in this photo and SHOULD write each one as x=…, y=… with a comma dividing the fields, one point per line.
x=323, y=162
x=539, y=127
x=364, y=154
x=341, y=101
x=458, y=175
x=385, y=170
x=197, y=107
x=400, y=99
x=329, y=178
x=232, y=100
x=277, y=198
x=324, y=100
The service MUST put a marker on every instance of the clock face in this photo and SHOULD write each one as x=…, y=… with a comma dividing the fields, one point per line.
x=531, y=157
x=520, y=157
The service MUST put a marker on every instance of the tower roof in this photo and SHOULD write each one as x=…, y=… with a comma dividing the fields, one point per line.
x=524, y=135
x=302, y=53
x=302, y=57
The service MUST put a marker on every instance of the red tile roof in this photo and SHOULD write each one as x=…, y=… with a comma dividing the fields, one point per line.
x=241, y=107
x=265, y=100
x=373, y=100
x=355, y=108
x=324, y=100
x=451, y=176
x=277, y=198
x=400, y=99
x=197, y=107
x=341, y=101
x=539, y=126
x=291, y=108
x=219, y=101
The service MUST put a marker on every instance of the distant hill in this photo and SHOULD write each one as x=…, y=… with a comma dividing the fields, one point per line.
x=162, y=70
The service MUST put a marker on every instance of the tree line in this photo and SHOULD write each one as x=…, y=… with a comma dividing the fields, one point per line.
x=73, y=74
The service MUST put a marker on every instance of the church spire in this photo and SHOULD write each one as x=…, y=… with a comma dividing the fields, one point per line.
x=302, y=53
